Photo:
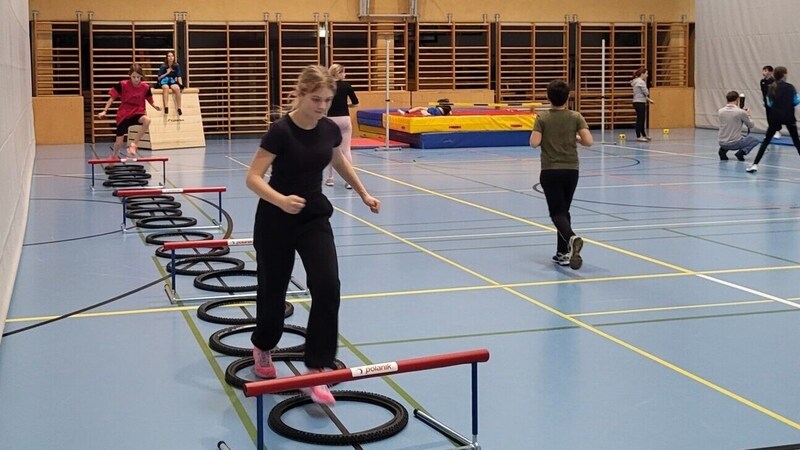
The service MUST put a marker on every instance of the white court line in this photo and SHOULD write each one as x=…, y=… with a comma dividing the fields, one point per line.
x=583, y=188
x=238, y=162
x=748, y=290
x=618, y=228
x=697, y=156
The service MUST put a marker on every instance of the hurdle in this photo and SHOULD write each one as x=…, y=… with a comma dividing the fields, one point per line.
x=125, y=193
x=259, y=388
x=162, y=160
x=172, y=293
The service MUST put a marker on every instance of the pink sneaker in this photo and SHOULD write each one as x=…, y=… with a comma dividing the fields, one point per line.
x=320, y=394
x=263, y=367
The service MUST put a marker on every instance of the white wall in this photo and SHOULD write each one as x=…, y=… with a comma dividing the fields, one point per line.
x=734, y=40
x=17, y=144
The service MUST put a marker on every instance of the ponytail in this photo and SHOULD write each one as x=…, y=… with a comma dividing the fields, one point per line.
x=311, y=78
x=778, y=74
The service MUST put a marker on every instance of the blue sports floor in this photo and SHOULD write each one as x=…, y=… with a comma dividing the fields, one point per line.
x=679, y=331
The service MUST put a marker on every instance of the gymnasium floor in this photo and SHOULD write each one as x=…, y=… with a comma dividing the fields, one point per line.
x=677, y=333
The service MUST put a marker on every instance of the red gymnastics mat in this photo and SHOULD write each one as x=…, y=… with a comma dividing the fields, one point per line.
x=360, y=143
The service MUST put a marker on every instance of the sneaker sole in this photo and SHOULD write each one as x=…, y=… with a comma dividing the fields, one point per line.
x=575, y=260
x=266, y=376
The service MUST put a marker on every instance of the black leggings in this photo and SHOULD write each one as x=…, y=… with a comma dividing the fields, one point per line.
x=641, y=113
x=559, y=187
x=276, y=237
x=771, y=130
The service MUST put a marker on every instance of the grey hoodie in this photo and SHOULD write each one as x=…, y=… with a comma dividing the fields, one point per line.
x=640, y=92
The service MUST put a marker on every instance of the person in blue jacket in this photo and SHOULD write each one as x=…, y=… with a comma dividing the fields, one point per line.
x=170, y=78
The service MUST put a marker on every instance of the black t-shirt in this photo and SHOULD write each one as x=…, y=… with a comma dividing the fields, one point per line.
x=782, y=109
x=339, y=103
x=300, y=155
x=765, y=82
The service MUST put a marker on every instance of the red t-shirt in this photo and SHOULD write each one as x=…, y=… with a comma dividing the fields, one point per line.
x=132, y=99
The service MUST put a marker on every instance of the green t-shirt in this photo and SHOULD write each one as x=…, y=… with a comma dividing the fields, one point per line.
x=559, y=147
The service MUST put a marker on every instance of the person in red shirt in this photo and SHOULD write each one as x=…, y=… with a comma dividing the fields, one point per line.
x=132, y=95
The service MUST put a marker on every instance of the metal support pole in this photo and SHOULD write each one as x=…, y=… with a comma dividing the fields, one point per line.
x=260, y=418
x=474, y=402
x=386, y=146
x=327, y=60
x=603, y=95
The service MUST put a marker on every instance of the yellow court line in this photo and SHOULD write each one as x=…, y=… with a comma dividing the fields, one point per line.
x=106, y=313
x=529, y=222
x=465, y=289
x=565, y=316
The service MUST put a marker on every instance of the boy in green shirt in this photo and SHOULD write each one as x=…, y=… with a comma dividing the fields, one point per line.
x=558, y=131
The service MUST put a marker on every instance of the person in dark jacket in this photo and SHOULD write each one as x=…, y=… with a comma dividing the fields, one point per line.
x=781, y=98
x=766, y=80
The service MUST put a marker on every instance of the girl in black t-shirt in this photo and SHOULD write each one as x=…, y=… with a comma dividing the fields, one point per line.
x=293, y=215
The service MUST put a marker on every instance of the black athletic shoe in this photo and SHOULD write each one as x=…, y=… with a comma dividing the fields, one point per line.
x=740, y=155
x=722, y=154
x=562, y=259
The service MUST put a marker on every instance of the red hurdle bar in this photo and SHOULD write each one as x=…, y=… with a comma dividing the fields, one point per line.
x=213, y=243
x=209, y=243
x=259, y=388
x=125, y=193
x=163, y=160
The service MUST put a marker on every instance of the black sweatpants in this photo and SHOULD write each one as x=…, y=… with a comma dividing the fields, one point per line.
x=559, y=187
x=276, y=237
x=641, y=114
x=771, y=130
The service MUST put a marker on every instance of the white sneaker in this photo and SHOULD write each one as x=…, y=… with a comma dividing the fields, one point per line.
x=574, y=252
x=778, y=135
x=752, y=169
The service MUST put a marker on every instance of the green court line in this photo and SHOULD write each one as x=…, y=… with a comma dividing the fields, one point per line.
x=387, y=379
x=361, y=356
x=248, y=424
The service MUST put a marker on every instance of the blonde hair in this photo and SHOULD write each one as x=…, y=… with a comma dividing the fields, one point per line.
x=336, y=70
x=311, y=79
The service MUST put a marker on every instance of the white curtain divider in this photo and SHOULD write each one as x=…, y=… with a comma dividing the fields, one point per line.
x=17, y=143
x=734, y=39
